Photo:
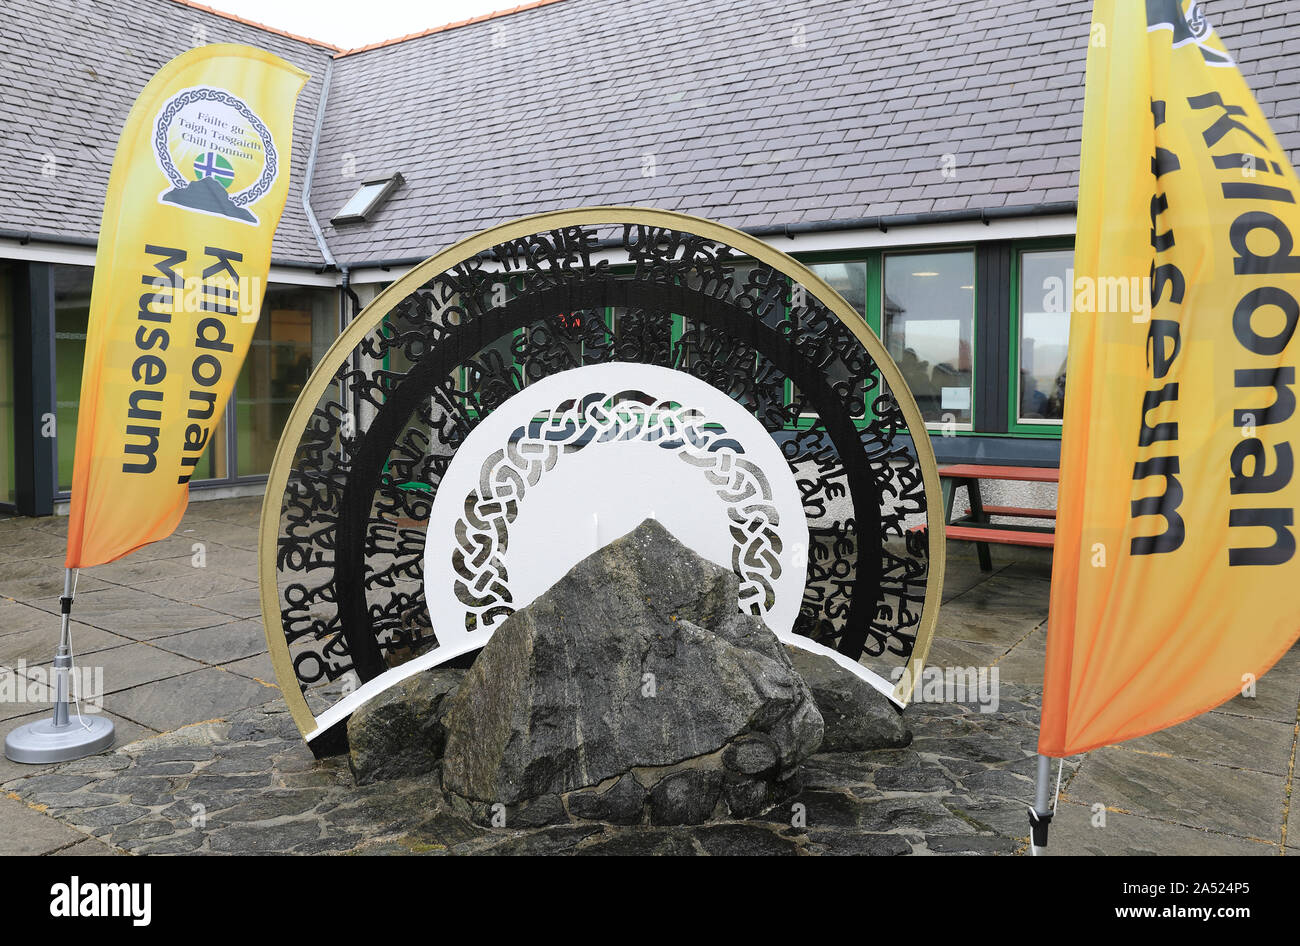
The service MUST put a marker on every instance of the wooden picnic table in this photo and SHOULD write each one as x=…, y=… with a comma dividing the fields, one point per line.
x=977, y=526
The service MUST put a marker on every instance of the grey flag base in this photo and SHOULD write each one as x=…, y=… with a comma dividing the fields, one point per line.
x=64, y=736
x=1040, y=816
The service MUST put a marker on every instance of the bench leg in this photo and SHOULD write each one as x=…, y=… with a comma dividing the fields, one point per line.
x=977, y=515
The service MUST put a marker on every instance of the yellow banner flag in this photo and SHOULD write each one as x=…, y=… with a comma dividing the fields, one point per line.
x=1175, y=581
x=198, y=184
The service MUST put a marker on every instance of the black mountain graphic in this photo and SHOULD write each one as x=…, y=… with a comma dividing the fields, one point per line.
x=208, y=195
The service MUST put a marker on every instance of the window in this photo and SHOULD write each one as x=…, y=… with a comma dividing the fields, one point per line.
x=848, y=279
x=295, y=329
x=929, y=327
x=367, y=199
x=1044, y=334
x=71, y=314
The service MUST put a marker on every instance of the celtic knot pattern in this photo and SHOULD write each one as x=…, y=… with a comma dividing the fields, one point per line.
x=482, y=534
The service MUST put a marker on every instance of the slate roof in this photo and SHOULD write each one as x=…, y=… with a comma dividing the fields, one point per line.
x=755, y=112
x=69, y=72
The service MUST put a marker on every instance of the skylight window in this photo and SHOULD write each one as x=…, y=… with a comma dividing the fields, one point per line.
x=367, y=199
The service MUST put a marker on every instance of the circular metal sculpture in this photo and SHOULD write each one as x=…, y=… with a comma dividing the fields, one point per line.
x=620, y=346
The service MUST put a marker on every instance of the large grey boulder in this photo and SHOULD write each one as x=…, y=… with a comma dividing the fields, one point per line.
x=399, y=733
x=857, y=716
x=633, y=683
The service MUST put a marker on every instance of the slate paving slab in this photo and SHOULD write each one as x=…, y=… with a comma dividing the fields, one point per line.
x=1078, y=829
x=16, y=617
x=87, y=848
x=217, y=645
x=37, y=645
x=136, y=614
x=1023, y=664
x=122, y=667
x=241, y=602
x=143, y=572
x=28, y=831
x=200, y=694
x=196, y=583
x=1260, y=745
x=26, y=578
x=258, y=667
x=1202, y=795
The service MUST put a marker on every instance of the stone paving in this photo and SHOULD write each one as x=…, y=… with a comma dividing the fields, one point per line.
x=175, y=628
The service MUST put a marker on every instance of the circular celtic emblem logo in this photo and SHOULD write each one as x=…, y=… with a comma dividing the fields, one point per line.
x=218, y=156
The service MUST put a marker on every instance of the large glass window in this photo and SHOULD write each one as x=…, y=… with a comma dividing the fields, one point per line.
x=1045, y=296
x=8, y=437
x=929, y=330
x=295, y=329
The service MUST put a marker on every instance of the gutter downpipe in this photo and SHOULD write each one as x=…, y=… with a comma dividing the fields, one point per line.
x=330, y=263
x=311, y=168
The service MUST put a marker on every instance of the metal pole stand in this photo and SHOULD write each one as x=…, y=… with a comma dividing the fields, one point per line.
x=1040, y=816
x=64, y=736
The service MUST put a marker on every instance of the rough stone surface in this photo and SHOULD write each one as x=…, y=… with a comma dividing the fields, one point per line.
x=635, y=660
x=250, y=784
x=400, y=732
x=621, y=803
x=856, y=716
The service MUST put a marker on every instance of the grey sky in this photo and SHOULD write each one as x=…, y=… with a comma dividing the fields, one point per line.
x=351, y=24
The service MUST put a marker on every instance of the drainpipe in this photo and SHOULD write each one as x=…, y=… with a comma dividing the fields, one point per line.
x=330, y=263
x=349, y=296
x=311, y=168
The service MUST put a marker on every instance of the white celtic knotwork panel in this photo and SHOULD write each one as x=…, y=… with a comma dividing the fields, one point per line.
x=581, y=458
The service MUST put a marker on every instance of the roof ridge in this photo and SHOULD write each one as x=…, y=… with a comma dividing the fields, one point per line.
x=261, y=26
x=437, y=29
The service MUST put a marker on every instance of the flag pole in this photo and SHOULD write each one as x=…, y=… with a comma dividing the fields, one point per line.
x=1040, y=816
x=65, y=735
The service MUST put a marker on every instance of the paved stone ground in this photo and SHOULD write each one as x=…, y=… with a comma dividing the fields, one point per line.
x=183, y=655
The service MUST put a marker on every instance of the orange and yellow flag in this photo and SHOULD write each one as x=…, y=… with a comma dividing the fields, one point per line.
x=197, y=187
x=1176, y=582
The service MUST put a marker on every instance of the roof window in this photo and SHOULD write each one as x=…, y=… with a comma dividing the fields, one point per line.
x=368, y=198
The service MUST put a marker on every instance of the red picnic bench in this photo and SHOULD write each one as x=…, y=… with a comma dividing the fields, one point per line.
x=976, y=525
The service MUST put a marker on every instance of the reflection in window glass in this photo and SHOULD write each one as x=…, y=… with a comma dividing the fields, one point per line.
x=71, y=315
x=848, y=279
x=929, y=326
x=295, y=326
x=1045, y=295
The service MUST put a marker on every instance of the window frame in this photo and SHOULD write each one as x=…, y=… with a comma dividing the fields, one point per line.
x=1046, y=428
x=968, y=428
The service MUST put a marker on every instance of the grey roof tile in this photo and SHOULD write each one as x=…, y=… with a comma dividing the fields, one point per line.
x=740, y=120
